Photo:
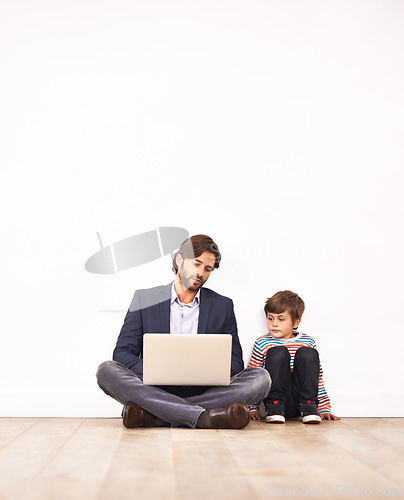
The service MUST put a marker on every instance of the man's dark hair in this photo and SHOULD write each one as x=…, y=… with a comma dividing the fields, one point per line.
x=285, y=301
x=194, y=247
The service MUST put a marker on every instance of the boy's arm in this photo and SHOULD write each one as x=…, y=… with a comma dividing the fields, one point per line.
x=324, y=403
x=254, y=412
x=257, y=360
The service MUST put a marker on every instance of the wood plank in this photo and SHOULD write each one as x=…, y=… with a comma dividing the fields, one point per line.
x=23, y=458
x=397, y=421
x=265, y=460
x=204, y=467
x=79, y=468
x=98, y=459
x=386, y=430
x=11, y=428
x=142, y=466
x=370, y=442
x=295, y=455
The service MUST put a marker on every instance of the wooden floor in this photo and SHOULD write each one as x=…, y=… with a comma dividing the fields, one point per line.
x=61, y=458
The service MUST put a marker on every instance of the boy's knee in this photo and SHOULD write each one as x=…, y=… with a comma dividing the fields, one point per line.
x=277, y=354
x=306, y=354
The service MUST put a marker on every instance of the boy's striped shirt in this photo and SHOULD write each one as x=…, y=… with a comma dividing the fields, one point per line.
x=259, y=353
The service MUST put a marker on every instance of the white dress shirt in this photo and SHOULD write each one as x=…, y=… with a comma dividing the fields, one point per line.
x=184, y=317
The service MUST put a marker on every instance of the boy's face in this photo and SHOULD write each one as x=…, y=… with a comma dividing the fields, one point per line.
x=281, y=326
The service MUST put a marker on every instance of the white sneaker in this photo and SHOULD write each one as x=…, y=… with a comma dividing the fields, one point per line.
x=311, y=419
x=275, y=411
x=275, y=419
x=309, y=413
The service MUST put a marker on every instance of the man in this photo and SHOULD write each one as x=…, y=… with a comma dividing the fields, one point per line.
x=182, y=307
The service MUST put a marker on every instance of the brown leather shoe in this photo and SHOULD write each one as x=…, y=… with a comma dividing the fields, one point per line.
x=135, y=416
x=234, y=416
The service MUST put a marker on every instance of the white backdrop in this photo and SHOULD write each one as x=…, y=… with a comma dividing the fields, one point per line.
x=274, y=127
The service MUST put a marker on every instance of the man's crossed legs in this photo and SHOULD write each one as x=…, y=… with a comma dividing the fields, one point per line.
x=201, y=410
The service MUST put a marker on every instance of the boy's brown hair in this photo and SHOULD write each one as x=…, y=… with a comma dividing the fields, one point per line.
x=285, y=301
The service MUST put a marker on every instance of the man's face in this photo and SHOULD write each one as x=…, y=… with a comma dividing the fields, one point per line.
x=281, y=325
x=194, y=272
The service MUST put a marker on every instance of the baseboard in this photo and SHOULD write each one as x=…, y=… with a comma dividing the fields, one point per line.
x=98, y=405
x=368, y=405
x=59, y=405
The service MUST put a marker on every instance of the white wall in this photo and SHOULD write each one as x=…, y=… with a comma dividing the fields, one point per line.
x=274, y=127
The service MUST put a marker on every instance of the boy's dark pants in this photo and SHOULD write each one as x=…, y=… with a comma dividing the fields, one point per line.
x=291, y=388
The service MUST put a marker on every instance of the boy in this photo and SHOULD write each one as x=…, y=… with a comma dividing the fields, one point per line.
x=293, y=363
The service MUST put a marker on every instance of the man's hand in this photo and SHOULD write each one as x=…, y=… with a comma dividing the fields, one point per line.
x=328, y=416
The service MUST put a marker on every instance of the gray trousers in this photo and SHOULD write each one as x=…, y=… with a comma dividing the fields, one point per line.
x=248, y=387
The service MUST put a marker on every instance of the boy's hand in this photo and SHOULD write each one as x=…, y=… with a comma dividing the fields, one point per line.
x=255, y=416
x=329, y=416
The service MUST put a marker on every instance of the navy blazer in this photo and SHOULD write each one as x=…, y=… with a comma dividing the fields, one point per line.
x=149, y=312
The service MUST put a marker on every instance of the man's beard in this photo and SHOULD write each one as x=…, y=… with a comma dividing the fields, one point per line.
x=188, y=281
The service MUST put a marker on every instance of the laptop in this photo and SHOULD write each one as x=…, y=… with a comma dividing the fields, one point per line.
x=174, y=359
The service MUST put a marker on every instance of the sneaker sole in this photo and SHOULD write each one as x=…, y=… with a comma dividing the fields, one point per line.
x=275, y=419
x=311, y=419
